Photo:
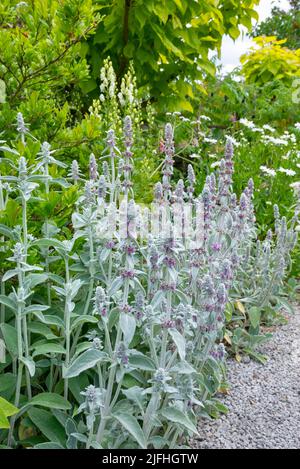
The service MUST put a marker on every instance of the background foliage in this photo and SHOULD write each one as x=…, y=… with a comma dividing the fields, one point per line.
x=168, y=42
x=283, y=24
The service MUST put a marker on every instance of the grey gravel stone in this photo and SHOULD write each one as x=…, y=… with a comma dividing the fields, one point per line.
x=264, y=400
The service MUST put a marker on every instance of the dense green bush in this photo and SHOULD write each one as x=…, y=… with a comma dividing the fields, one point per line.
x=41, y=62
x=168, y=43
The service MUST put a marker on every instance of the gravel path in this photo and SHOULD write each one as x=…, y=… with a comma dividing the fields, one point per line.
x=264, y=400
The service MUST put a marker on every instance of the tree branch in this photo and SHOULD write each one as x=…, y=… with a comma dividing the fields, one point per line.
x=40, y=70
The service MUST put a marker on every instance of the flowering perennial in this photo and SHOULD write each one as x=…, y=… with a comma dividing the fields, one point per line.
x=123, y=338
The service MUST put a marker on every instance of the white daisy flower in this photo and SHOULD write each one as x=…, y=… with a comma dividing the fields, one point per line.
x=288, y=172
x=268, y=171
x=269, y=128
x=210, y=140
x=247, y=123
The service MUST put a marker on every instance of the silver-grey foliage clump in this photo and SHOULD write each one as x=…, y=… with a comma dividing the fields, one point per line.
x=138, y=323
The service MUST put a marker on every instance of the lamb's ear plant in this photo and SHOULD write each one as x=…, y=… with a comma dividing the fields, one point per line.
x=115, y=335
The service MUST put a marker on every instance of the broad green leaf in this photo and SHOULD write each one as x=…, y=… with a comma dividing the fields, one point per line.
x=41, y=329
x=141, y=362
x=7, y=381
x=4, y=423
x=47, y=243
x=286, y=304
x=80, y=437
x=177, y=416
x=61, y=181
x=135, y=394
x=48, y=425
x=35, y=308
x=131, y=424
x=9, y=274
x=179, y=342
x=30, y=365
x=86, y=360
x=50, y=400
x=254, y=316
x=157, y=299
x=183, y=368
x=48, y=445
x=44, y=349
x=77, y=384
x=49, y=319
x=82, y=320
x=6, y=231
x=234, y=32
x=158, y=442
x=36, y=279
x=7, y=408
x=5, y=300
x=10, y=338
x=128, y=325
x=115, y=286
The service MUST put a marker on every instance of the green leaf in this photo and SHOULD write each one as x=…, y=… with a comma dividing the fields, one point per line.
x=158, y=442
x=48, y=425
x=234, y=32
x=128, y=325
x=5, y=300
x=167, y=43
x=135, y=394
x=36, y=279
x=183, y=368
x=88, y=85
x=82, y=320
x=41, y=329
x=30, y=365
x=49, y=319
x=9, y=274
x=132, y=426
x=7, y=381
x=179, y=342
x=175, y=415
x=157, y=299
x=77, y=384
x=4, y=423
x=61, y=181
x=129, y=50
x=35, y=308
x=48, y=445
x=141, y=362
x=11, y=338
x=86, y=360
x=44, y=349
x=287, y=306
x=7, y=408
x=8, y=232
x=254, y=314
x=50, y=400
x=47, y=243
x=115, y=286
